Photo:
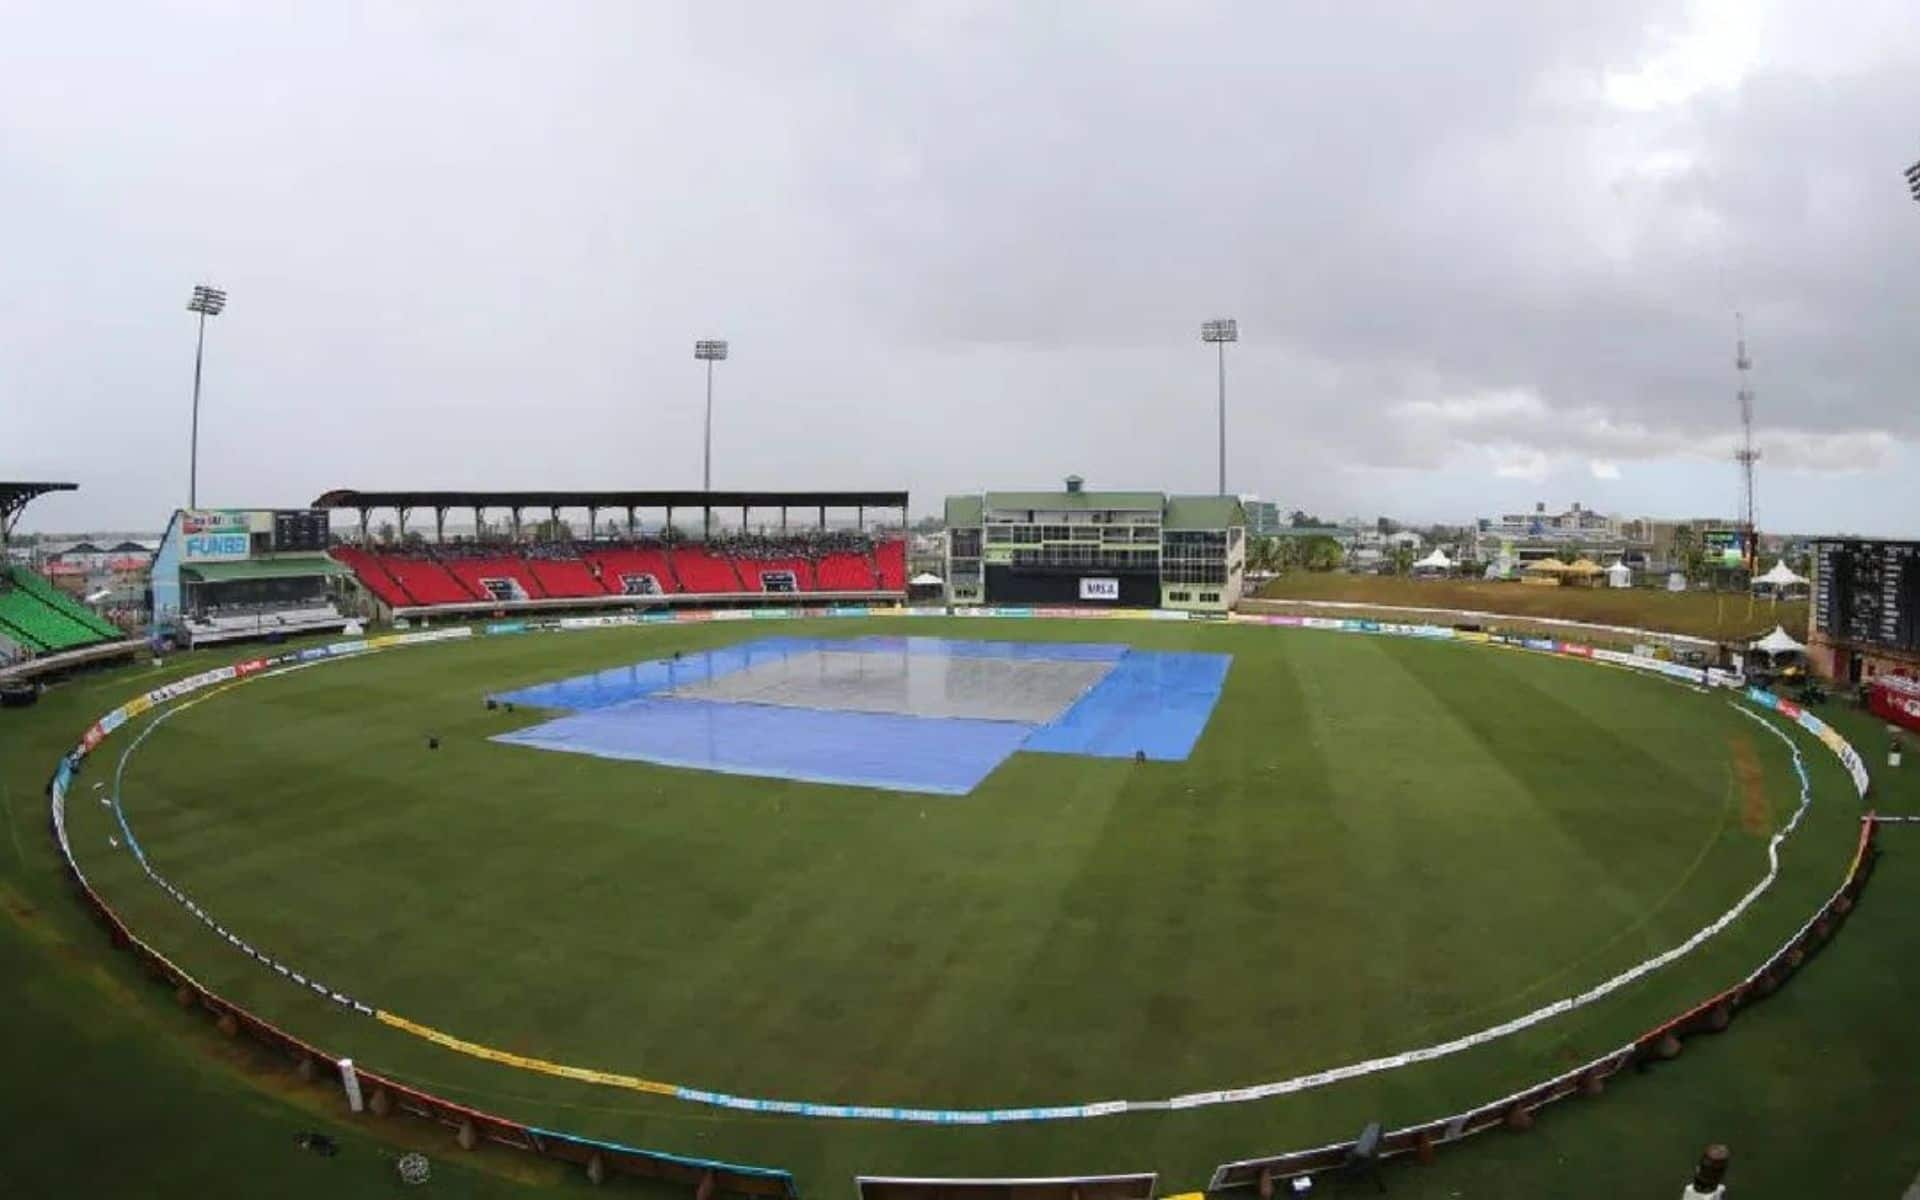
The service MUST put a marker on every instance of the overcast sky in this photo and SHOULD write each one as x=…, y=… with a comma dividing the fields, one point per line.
x=1481, y=254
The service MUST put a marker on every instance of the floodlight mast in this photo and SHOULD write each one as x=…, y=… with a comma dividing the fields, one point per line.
x=1220, y=331
x=709, y=351
x=207, y=301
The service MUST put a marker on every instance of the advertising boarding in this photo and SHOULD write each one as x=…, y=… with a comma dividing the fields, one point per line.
x=220, y=534
x=1099, y=589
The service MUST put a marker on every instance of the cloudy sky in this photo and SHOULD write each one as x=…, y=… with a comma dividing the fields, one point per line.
x=1481, y=254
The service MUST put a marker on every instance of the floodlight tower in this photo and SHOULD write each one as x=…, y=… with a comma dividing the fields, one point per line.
x=709, y=351
x=1747, y=455
x=1913, y=180
x=1220, y=331
x=208, y=301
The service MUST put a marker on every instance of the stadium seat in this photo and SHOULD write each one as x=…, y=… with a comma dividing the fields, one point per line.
x=704, y=572
x=29, y=620
x=891, y=559
x=57, y=600
x=372, y=576
x=617, y=561
x=845, y=572
x=427, y=581
x=565, y=577
x=754, y=570
x=474, y=572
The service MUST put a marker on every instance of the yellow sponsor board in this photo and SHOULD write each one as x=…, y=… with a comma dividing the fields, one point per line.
x=584, y=1074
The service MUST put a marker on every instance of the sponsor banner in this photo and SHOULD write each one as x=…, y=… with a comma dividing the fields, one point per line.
x=1323, y=622
x=93, y=737
x=1472, y=635
x=504, y=627
x=1575, y=649
x=1546, y=644
x=1099, y=589
x=252, y=666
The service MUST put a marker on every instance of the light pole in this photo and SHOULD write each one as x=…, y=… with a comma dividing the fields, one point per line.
x=208, y=301
x=709, y=351
x=1221, y=331
x=1913, y=180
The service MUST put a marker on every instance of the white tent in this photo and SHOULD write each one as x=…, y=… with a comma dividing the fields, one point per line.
x=1437, y=561
x=1781, y=576
x=1779, y=642
x=1619, y=575
x=926, y=579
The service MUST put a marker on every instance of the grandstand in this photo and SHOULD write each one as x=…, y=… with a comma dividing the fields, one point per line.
x=40, y=625
x=614, y=565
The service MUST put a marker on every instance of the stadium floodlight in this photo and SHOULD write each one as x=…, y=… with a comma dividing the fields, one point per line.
x=709, y=351
x=1220, y=331
x=208, y=301
x=1913, y=180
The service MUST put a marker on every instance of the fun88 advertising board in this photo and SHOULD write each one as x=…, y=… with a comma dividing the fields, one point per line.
x=214, y=533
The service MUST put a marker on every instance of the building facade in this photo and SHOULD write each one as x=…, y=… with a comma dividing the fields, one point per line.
x=1076, y=547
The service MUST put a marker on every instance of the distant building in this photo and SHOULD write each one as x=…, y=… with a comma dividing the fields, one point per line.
x=1264, y=517
x=1521, y=538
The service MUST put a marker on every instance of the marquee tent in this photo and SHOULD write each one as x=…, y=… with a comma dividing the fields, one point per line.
x=1779, y=642
x=1779, y=579
x=1436, y=561
x=1619, y=575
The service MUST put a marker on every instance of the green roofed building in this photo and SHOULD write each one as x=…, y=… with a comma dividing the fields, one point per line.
x=1102, y=549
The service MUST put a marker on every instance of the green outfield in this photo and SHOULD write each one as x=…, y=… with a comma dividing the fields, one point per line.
x=1378, y=844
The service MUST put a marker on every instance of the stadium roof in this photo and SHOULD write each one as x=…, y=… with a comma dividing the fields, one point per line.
x=1064, y=501
x=15, y=496
x=295, y=566
x=964, y=512
x=349, y=498
x=1203, y=512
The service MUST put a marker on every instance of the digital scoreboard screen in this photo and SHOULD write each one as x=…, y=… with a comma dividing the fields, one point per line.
x=300, y=531
x=1869, y=592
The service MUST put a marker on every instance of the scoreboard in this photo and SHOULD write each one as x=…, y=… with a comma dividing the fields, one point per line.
x=1867, y=591
x=300, y=531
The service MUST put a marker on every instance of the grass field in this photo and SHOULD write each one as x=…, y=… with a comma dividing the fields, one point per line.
x=1378, y=844
x=1712, y=615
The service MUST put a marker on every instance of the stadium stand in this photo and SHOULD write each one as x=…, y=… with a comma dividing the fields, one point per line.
x=842, y=571
x=890, y=563
x=617, y=565
x=565, y=577
x=43, y=619
x=743, y=566
x=497, y=578
x=702, y=571
x=373, y=575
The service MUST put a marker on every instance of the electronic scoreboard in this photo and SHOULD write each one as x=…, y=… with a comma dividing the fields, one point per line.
x=300, y=530
x=1866, y=591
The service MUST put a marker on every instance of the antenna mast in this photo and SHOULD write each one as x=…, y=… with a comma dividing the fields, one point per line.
x=1746, y=455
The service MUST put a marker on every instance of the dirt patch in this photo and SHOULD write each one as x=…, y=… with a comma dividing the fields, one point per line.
x=1755, y=815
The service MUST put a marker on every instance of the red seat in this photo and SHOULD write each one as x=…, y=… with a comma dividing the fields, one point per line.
x=473, y=571
x=565, y=577
x=615, y=562
x=701, y=571
x=372, y=576
x=752, y=570
x=891, y=557
x=426, y=581
x=843, y=572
